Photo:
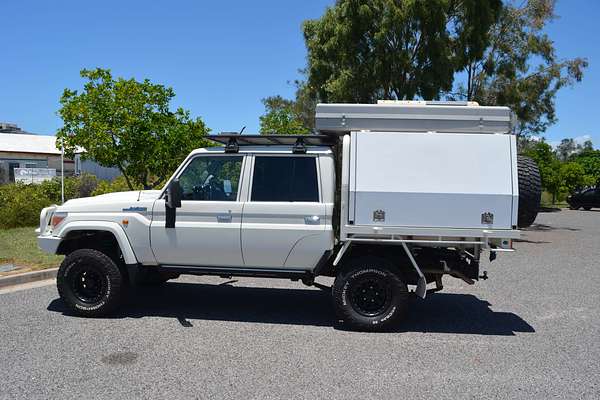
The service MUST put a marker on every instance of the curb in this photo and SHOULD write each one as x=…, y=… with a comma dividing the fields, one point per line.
x=27, y=277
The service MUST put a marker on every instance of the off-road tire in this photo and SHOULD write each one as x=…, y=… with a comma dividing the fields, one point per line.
x=530, y=191
x=105, y=283
x=354, y=279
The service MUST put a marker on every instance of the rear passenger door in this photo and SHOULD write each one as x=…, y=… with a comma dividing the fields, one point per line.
x=283, y=221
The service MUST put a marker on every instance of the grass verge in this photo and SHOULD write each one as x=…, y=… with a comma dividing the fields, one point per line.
x=19, y=247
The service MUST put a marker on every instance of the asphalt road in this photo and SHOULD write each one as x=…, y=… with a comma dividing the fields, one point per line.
x=531, y=331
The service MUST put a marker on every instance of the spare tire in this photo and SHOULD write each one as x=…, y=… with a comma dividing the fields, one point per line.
x=530, y=191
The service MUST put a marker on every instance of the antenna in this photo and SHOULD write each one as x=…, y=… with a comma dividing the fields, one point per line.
x=242, y=130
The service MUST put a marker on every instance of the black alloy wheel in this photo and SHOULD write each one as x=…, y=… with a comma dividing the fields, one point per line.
x=88, y=284
x=370, y=296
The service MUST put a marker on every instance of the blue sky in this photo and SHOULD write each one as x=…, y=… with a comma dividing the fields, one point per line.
x=221, y=58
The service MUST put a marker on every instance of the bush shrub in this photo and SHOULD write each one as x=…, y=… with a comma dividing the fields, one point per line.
x=118, y=185
x=75, y=187
x=20, y=204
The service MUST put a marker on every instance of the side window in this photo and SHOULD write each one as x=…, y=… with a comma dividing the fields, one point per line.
x=285, y=179
x=211, y=178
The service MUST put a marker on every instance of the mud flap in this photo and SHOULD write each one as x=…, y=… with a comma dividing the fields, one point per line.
x=421, y=282
x=421, y=287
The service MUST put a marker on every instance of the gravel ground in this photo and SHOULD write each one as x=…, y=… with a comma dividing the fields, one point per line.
x=531, y=331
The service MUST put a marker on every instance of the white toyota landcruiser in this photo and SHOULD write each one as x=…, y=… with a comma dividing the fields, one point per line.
x=385, y=197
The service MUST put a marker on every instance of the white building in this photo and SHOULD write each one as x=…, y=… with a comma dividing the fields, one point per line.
x=20, y=149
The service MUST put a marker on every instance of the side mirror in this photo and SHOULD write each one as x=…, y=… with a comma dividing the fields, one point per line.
x=174, y=194
x=172, y=202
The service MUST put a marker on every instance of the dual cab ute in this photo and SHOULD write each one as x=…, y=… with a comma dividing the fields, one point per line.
x=386, y=197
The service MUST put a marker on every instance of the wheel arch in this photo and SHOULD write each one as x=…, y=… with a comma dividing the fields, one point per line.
x=79, y=234
x=393, y=255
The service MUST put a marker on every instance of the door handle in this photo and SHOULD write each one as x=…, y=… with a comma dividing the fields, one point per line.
x=224, y=217
x=312, y=220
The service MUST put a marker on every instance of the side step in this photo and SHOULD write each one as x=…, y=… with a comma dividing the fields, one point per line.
x=234, y=271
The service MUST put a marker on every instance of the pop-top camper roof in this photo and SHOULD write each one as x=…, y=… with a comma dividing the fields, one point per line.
x=413, y=116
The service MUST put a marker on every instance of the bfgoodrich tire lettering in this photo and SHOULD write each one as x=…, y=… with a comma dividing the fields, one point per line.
x=90, y=283
x=369, y=295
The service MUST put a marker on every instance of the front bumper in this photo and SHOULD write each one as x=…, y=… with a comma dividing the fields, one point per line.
x=49, y=244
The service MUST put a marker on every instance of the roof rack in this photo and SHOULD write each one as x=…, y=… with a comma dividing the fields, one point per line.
x=233, y=141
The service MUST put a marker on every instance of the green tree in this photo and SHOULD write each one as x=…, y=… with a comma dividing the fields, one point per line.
x=566, y=169
x=549, y=166
x=387, y=49
x=566, y=149
x=520, y=68
x=128, y=124
x=282, y=116
x=572, y=176
x=305, y=104
x=589, y=159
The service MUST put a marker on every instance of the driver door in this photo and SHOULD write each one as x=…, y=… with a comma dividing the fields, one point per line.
x=207, y=228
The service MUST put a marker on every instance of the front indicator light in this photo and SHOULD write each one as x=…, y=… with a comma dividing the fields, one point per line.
x=57, y=218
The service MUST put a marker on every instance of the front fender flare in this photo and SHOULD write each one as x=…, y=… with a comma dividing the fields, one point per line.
x=106, y=226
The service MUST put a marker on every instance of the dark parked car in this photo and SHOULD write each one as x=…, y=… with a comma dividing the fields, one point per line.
x=587, y=199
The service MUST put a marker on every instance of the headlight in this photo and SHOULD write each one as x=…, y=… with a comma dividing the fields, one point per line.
x=45, y=219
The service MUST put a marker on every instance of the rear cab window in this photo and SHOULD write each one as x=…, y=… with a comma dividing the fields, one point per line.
x=285, y=179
